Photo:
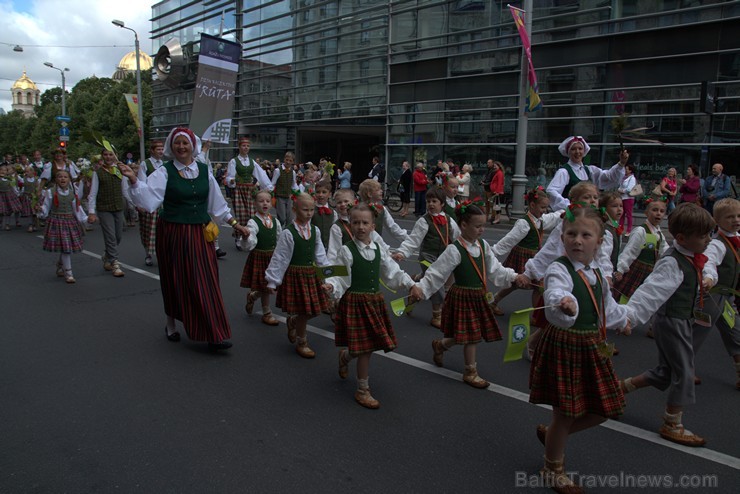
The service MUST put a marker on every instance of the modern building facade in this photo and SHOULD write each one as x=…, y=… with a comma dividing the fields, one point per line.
x=422, y=80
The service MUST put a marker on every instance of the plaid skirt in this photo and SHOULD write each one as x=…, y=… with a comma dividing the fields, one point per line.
x=148, y=230
x=363, y=324
x=301, y=293
x=63, y=233
x=9, y=203
x=253, y=275
x=244, y=207
x=25, y=201
x=518, y=257
x=568, y=372
x=632, y=279
x=467, y=317
x=188, y=276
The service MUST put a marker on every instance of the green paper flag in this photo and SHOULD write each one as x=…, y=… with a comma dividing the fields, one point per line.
x=399, y=306
x=623, y=300
x=425, y=263
x=728, y=314
x=518, y=335
x=324, y=272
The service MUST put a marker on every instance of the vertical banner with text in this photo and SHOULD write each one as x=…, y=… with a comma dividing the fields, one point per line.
x=215, y=89
x=133, y=105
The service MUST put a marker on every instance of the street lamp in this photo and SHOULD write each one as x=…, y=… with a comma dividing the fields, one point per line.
x=64, y=86
x=140, y=104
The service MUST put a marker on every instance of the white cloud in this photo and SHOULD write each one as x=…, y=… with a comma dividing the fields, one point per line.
x=54, y=24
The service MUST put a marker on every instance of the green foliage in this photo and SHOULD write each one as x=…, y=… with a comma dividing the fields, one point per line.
x=94, y=105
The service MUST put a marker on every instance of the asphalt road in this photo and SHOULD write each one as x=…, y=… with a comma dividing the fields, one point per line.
x=93, y=398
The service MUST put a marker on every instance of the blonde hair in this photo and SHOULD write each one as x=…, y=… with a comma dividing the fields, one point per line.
x=347, y=165
x=580, y=189
x=263, y=193
x=724, y=206
x=342, y=192
x=367, y=186
x=304, y=197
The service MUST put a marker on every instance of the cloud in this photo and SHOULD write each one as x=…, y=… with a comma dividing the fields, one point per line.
x=55, y=25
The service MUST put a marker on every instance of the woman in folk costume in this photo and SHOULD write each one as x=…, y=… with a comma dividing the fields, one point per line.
x=188, y=271
x=575, y=148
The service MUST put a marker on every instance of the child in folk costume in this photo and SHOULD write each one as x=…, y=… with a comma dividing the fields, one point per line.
x=431, y=235
x=467, y=316
x=325, y=216
x=724, y=259
x=64, y=216
x=362, y=322
x=340, y=232
x=9, y=202
x=673, y=294
x=450, y=185
x=147, y=220
x=524, y=240
x=29, y=197
x=264, y=230
x=292, y=269
x=611, y=208
x=371, y=193
x=571, y=368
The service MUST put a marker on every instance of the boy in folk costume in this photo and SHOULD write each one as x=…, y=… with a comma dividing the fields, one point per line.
x=371, y=193
x=147, y=220
x=674, y=294
x=324, y=216
x=241, y=174
x=9, y=202
x=283, y=181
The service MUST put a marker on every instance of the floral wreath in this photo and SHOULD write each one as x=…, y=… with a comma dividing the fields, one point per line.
x=294, y=194
x=534, y=194
x=463, y=206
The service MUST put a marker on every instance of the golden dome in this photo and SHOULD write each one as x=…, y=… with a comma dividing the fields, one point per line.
x=128, y=62
x=24, y=83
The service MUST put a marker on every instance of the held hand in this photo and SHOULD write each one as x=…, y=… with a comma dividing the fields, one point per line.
x=617, y=276
x=328, y=288
x=127, y=172
x=624, y=156
x=707, y=283
x=398, y=257
x=92, y=218
x=568, y=306
x=415, y=294
x=242, y=229
x=627, y=330
x=522, y=281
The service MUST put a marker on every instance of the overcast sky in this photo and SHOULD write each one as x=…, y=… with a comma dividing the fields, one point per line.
x=61, y=27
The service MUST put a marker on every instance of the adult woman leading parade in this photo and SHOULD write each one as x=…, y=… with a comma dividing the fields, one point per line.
x=575, y=148
x=188, y=272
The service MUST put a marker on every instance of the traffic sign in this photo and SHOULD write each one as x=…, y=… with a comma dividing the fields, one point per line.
x=63, y=118
x=64, y=132
x=64, y=138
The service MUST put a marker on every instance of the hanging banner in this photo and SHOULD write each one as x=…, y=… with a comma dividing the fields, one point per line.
x=215, y=89
x=533, y=98
x=133, y=106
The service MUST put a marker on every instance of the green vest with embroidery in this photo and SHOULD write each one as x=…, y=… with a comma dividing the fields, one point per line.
x=588, y=317
x=344, y=228
x=303, y=249
x=573, y=178
x=323, y=222
x=433, y=243
x=149, y=167
x=465, y=274
x=110, y=195
x=284, y=183
x=64, y=203
x=532, y=240
x=266, y=237
x=245, y=174
x=616, y=245
x=365, y=274
x=379, y=222
x=727, y=271
x=186, y=200
x=449, y=210
x=681, y=304
x=5, y=185
x=651, y=247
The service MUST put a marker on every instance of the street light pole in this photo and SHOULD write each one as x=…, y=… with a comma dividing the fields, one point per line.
x=140, y=104
x=64, y=86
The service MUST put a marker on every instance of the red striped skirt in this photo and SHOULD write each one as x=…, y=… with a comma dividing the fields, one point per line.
x=301, y=293
x=9, y=203
x=568, y=372
x=63, y=233
x=25, y=201
x=363, y=324
x=253, y=275
x=518, y=257
x=632, y=279
x=244, y=207
x=188, y=274
x=468, y=317
x=148, y=230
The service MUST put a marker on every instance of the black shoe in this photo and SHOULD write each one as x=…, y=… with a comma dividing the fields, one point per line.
x=148, y=261
x=220, y=253
x=223, y=345
x=172, y=337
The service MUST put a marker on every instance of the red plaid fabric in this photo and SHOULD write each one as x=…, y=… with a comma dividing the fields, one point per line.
x=25, y=201
x=568, y=372
x=9, y=203
x=244, y=207
x=301, y=293
x=148, y=231
x=518, y=257
x=467, y=317
x=63, y=234
x=363, y=324
x=632, y=279
x=253, y=275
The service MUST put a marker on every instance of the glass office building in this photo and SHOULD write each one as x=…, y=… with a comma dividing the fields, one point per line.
x=436, y=79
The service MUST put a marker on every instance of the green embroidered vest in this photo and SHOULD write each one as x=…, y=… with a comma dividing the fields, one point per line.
x=149, y=167
x=110, y=195
x=245, y=174
x=303, y=250
x=681, y=304
x=323, y=222
x=449, y=210
x=573, y=179
x=186, y=200
x=532, y=240
x=284, y=183
x=616, y=245
x=651, y=247
x=728, y=270
x=379, y=222
x=64, y=203
x=266, y=237
x=433, y=243
x=465, y=274
x=588, y=317
x=346, y=232
x=365, y=274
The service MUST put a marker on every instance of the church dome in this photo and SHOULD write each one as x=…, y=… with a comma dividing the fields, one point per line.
x=128, y=62
x=24, y=83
